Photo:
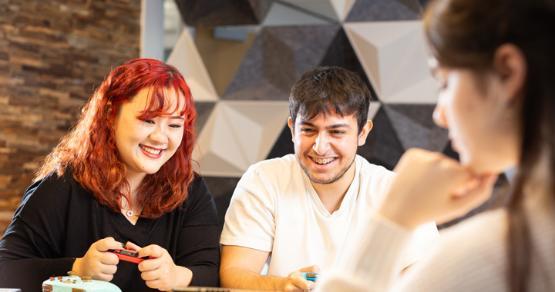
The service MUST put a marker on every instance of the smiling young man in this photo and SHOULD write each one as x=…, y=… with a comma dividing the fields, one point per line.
x=297, y=213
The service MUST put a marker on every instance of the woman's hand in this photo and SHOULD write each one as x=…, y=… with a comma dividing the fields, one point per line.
x=159, y=271
x=98, y=262
x=432, y=187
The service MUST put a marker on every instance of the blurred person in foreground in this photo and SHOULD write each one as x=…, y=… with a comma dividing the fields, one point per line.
x=495, y=65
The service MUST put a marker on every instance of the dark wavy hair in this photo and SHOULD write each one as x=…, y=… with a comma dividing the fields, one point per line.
x=324, y=89
x=89, y=149
x=466, y=34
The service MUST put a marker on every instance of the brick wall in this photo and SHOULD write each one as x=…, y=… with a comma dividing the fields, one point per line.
x=52, y=55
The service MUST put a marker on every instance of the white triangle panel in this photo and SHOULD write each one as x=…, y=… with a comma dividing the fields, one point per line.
x=186, y=58
x=210, y=163
x=366, y=52
x=394, y=56
x=270, y=116
x=421, y=92
x=238, y=134
x=373, y=109
x=342, y=8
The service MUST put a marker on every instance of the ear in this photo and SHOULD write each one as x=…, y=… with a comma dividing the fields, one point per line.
x=510, y=65
x=291, y=128
x=364, y=132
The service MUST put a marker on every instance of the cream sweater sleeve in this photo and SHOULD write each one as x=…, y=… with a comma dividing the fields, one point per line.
x=374, y=261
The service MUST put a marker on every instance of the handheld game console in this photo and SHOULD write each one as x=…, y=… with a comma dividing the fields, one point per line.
x=76, y=283
x=310, y=276
x=128, y=255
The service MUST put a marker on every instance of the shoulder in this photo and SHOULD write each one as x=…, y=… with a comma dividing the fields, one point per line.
x=374, y=180
x=468, y=254
x=199, y=203
x=197, y=190
x=274, y=165
x=374, y=171
x=48, y=201
x=275, y=171
x=48, y=191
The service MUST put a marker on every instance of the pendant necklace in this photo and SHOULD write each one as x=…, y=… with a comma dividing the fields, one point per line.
x=129, y=213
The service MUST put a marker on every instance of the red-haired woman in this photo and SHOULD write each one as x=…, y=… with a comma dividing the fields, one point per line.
x=122, y=178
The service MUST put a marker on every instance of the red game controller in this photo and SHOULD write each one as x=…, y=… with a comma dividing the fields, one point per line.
x=128, y=255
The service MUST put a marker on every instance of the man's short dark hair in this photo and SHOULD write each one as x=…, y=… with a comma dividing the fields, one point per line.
x=330, y=89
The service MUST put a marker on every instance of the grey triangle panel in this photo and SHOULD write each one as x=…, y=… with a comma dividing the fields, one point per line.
x=277, y=58
x=204, y=109
x=414, y=126
x=382, y=10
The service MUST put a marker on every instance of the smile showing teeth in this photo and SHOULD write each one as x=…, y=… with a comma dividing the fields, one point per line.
x=150, y=150
x=322, y=161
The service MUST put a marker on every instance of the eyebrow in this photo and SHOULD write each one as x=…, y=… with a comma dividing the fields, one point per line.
x=334, y=126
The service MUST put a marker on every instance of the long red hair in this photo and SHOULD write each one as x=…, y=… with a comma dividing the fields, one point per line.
x=90, y=150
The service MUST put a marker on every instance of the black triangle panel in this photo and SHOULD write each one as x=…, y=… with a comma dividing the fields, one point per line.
x=221, y=189
x=216, y=12
x=382, y=147
x=204, y=109
x=283, y=144
x=277, y=58
x=260, y=8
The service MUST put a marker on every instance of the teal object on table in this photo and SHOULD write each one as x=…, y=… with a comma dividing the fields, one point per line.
x=310, y=276
x=68, y=283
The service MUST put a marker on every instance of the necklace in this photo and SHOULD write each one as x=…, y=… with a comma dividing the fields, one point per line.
x=129, y=213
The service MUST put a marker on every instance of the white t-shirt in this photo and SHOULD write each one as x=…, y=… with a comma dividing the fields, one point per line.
x=274, y=208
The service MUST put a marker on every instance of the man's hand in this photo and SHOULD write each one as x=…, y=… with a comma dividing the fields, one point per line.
x=241, y=266
x=296, y=282
x=98, y=262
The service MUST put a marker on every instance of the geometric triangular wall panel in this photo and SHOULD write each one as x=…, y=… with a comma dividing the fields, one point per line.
x=238, y=134
x=204, y=109
x=222, y=12
x=283, y=144
x=383, y=146
x=277, y=58
x=415, y=128
x=281, y=14
x=223, y=45
x=247, y=54
x=186, y=58
x=342, y=8
x=393, y=54
x=321, y=8
x=340, y=53
x=384, y=10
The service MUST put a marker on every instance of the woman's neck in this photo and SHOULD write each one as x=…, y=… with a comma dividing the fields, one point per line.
x=134, y=180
